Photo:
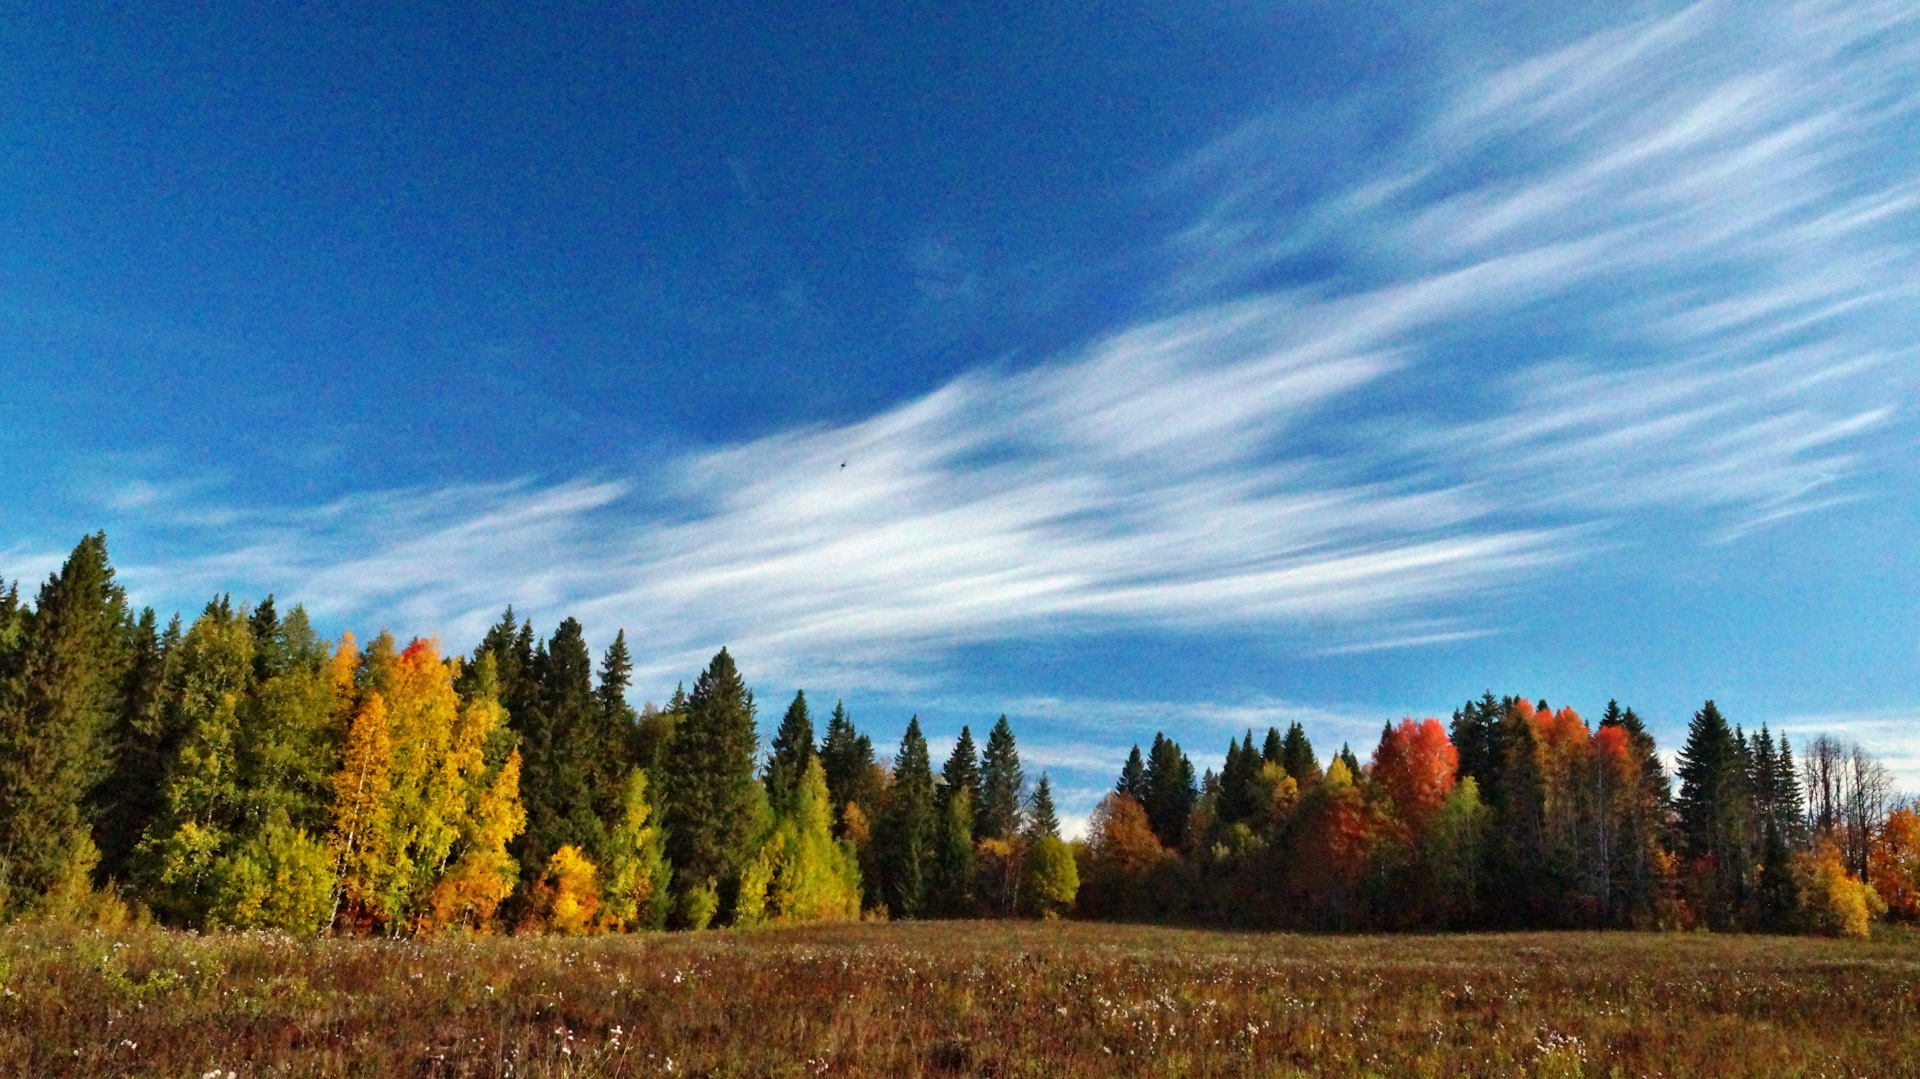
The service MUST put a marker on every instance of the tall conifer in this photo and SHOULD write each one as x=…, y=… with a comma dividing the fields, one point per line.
x=59, y=701
x=907, y=832
x=1002, y=785
x=709, y=787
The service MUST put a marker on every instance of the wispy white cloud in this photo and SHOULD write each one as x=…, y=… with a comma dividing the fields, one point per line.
x=1649, y=271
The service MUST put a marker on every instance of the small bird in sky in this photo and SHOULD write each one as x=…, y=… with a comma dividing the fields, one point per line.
x=843, y=464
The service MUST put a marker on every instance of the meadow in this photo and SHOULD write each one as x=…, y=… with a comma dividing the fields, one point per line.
x=957, y=998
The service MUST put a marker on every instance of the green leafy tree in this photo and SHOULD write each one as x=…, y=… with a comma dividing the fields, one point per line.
x=710, y=790
x=808, y=875
x=1052, y=877
x=638, y=875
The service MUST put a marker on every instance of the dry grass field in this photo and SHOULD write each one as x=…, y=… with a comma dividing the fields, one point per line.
x=998, y=999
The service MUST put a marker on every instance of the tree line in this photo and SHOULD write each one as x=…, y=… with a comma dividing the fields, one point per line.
x=240, y=771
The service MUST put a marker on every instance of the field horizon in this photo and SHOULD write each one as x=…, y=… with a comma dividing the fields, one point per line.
x=996, y=998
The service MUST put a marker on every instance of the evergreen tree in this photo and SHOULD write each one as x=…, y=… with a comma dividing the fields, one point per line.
x=846, y=756
x=709, y=782
x=962, y=772
x=954, y=868
x=142, y=744
x=907, y=832
x=1714, y=808
x=60, y=696
x=1171, y=791
x=1789, y=799
x=1240, y=794
x=792, y=750
x=1347, y=758
x=1275, y=750
x=1001, y=786
x=1297, y=756
x=1133, y=777
x=1041, y=818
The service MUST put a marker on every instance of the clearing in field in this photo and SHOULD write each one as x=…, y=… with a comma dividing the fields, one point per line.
x=996, y=998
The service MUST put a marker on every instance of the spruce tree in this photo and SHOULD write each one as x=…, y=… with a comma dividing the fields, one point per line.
x=142, y=744
x=1041, y=818
x=1714, y=808
x=1352, y=762
x=709, y=783
x=954, y=866
x=59, y=700
x=846, y=755
x=1001, y=786
x=1171, y=791
x=1239, y=782
x=1297, y=756
x=962, y=771
x=1275, y=750
x=907, y=830
x=792, y=750
x=1133, y=777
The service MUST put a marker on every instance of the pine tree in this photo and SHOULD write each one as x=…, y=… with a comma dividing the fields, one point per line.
x=1041, y=819
x=1297, y=756
x=1002, y=786
x=1133, y=777
x=60, y=696
x=709, y=786
x=1275, y=750
x=792, y=751
x=907, y=832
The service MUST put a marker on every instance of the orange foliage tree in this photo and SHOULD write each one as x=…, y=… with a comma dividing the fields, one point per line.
x=1894, y=865
x=1415, y=763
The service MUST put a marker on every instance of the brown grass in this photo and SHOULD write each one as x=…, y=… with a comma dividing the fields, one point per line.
x=1001, y=999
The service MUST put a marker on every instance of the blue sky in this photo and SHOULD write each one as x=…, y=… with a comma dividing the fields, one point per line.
x=1120, y=367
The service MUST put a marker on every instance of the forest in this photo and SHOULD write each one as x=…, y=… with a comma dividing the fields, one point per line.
x=239, y=771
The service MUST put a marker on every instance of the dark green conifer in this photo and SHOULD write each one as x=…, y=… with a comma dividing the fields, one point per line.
x=955, y=868
x=846, y=756
x=907, y=832
x=1714, y=807
x=1297, y=756
x=962, y=770
x=1171, y=791
x=792, y=749
x=1002, y=786
x=709, y=782
x=60, y=698
x=1041, y=818
x=1275, y=749
x=1133, y=777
